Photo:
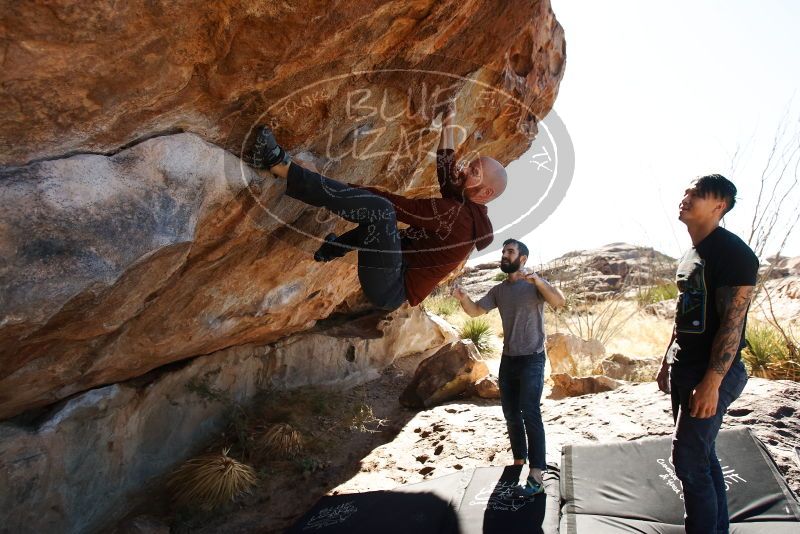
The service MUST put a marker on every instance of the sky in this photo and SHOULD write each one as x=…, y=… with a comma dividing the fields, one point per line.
x=655, y=94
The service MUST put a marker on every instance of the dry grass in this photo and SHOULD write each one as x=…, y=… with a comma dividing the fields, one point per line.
x=640, y=335
x=280, y=440
x=441, y=304
x=211, y=480
x=652, y=294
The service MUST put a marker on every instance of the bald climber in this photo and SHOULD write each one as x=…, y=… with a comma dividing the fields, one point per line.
x=397, y=266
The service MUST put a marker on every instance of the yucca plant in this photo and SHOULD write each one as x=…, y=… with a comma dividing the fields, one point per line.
x=211, y=480
x=768, y=354
x=280, y=440
x=653, y=294
x=480, y=333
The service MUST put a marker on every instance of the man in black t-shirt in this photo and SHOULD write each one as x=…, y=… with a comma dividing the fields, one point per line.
x=702, y=369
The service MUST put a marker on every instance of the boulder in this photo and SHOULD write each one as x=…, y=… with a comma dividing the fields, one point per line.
x=610, y=265
x=88, y=75
x=570, y=354
x=628, y=368
x=780, y=267
x=600, y=283
x=447, y=375
x=778, y=299
x=134, y=235
x=664, y=309
x=565, y=385
x=486, y=388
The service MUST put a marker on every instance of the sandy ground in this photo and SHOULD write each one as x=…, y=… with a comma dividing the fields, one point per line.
x=398, y=446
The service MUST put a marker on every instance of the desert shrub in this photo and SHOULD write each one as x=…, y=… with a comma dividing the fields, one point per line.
x=211, y=480
x=601, y=320
x=364, y=419
x=658, y=293
x=770, y=354
x=500, y=277
x=480, y=332
x=443, y=305
x=280, y=440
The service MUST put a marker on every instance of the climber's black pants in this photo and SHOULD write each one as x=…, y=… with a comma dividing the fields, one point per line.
x=380, y=259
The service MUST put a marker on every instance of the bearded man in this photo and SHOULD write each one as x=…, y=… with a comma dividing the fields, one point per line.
x=520, y=299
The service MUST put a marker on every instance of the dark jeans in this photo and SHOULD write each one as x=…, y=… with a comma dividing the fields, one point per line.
x=521, y=382
x=380, y=258
x=693, y=454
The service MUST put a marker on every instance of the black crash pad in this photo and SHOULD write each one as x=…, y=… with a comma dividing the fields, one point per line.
x=473, y=501
x=631, y=487
x=490, y=504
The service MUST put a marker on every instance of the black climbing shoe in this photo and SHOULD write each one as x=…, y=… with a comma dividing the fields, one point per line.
x=330, y=250
x=266, y=150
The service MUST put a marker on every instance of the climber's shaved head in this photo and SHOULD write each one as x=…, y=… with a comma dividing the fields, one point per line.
x=485, y=180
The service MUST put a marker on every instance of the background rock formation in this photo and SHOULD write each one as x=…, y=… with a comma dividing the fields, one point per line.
x=594, y=274
x=121, y=256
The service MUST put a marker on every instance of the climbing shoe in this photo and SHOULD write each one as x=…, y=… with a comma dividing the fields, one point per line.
x=266, y=150
x=330, y=250
x=531, y=488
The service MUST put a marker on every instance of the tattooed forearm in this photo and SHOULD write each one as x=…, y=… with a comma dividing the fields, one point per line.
x=720, y=365
x=723, y=299
x=732, y=304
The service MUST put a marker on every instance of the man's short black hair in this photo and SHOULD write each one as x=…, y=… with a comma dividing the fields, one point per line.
x=717, y=186
x=521, y=248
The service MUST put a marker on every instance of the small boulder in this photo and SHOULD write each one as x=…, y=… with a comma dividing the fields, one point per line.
x=664, y=309
x=573, y=355
x=446, y=375
x=624, y=367
x=565, y=385
x=486, y=388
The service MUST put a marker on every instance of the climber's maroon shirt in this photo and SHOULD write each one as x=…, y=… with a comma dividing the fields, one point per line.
x=441, y=232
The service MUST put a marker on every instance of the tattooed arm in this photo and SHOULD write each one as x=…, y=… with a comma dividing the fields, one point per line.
x=732, y=304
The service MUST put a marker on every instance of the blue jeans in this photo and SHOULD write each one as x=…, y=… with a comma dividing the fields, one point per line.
x=693, y=454
x=521, y=382
x=380, y=258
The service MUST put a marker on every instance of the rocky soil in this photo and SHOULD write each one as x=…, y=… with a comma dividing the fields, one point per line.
x=399, y=446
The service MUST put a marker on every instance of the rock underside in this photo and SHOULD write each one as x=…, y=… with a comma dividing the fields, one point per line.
x=149, y=274
x=141, y=251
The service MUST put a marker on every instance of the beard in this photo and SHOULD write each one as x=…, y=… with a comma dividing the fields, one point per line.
x=470, y=192
x=509, y=267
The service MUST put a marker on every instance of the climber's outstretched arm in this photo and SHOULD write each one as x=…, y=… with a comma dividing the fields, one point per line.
x=447, y=139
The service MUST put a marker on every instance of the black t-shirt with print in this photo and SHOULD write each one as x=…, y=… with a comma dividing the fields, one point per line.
x=720, y=260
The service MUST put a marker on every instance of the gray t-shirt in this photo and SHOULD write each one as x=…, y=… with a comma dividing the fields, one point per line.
x=522, y=313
